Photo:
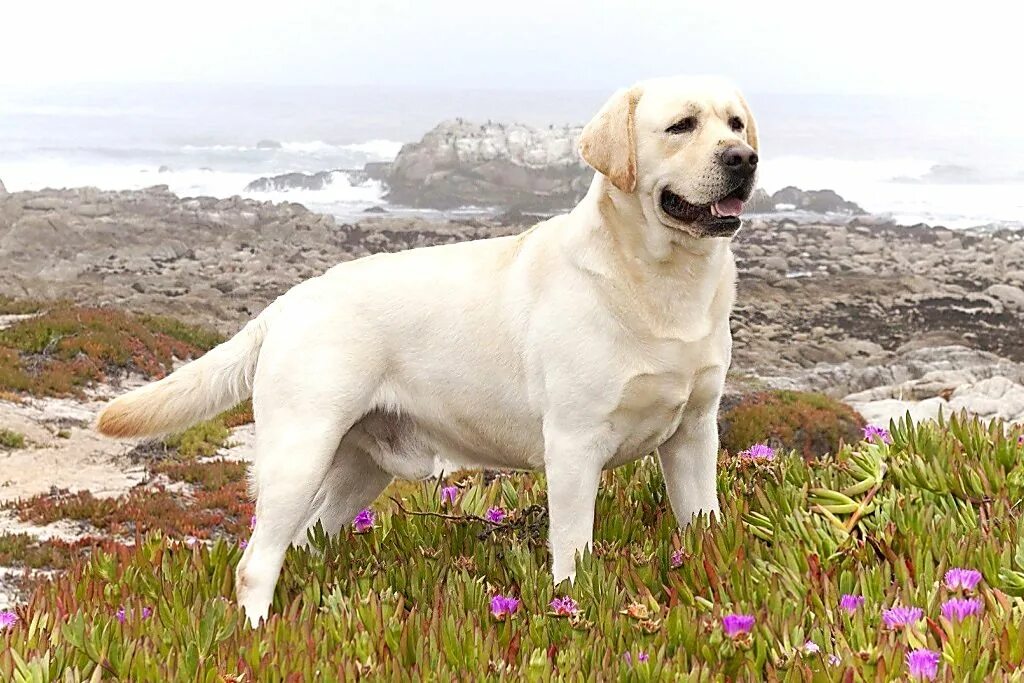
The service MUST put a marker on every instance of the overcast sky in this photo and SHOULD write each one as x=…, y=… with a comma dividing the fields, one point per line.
x=766, y=46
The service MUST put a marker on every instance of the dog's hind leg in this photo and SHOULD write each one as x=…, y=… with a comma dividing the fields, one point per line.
x=301, y=418
x=353, y=482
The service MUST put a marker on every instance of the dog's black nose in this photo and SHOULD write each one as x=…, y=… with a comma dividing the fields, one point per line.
x=740, y=159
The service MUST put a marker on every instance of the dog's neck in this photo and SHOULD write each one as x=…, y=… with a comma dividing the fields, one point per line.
x=670, y=274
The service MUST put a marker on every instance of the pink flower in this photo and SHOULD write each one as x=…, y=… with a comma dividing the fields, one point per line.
x=564, y=607
x=923, y=664
x=191, y=541
x=448, y=495
x=736, y=625
x=876, y=433
x=966, y=579
x=243, y=544
x=810, y=648
x=898, y=617
x=496, y=515
x=503, y=606
x=958, y=609
x=677, y=559
x=364, y=521
x=7, y=619
x=851, y=603
x=759, y=451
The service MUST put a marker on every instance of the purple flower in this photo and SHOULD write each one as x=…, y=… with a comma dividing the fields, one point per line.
x=851, y=603
x=898, y=617
x=147, y=612
x=737, y=624
x=243, y=544
x=833, y=660
x=120, y=614
x=759, y=451
x=641, y=657
x=966, y=579
x=564, y=607
x=958, y=609
x=364, y=521
x=876, y=433
x=504, y=606
x=923, y=664
x=252, y=522
x=677, y=559
x=496, y=515
x=7, y=619
x=810, y=648
x=191, y=541
x=448, y=495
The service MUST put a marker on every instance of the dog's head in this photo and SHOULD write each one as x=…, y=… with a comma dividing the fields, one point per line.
x=686, y=147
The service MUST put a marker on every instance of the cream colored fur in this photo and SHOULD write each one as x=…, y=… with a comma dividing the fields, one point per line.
x=593, y=339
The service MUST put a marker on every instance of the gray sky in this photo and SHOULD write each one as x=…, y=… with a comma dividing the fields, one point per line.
x=857, y=47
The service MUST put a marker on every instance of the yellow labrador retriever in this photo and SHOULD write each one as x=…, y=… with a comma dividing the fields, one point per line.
x=586, y=342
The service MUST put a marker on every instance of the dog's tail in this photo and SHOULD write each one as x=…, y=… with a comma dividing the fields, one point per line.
x=216, y=381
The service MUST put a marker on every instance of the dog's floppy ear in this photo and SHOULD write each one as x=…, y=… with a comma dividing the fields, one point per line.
x=751, y=125
x=608, y=142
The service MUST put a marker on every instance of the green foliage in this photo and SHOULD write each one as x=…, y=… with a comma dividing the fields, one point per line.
x=409, y=600
x=11, y=439
x=811, y=424
x=201, y=440
x=65, y=347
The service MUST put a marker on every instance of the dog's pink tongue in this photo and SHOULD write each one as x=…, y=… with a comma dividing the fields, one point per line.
x=729, y=207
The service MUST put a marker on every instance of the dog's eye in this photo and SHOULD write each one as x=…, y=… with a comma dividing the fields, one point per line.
x=736, y=124
x=683, y=125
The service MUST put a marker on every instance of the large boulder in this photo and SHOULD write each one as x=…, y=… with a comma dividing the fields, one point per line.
x=815, y=201
x=488, y=165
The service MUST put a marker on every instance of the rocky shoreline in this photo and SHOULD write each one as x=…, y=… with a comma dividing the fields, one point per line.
x=843, y=305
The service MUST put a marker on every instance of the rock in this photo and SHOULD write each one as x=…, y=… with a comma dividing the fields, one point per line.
x=1009, y=295
x=759, y=202
x=268, y=144
x=95, y=210
x=464, y=164
x=305, y=181
x=818, y=201
x=43, y=203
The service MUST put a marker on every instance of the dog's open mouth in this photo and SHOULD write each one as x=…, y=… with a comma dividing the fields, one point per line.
x=719, y=218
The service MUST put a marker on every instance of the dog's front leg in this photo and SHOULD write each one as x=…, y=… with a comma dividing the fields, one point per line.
x=573, y=473
x=689, y=458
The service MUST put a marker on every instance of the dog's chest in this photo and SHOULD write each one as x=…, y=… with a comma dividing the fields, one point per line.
x=652, y=402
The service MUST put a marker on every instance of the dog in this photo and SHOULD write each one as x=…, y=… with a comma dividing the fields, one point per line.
x=590, y=340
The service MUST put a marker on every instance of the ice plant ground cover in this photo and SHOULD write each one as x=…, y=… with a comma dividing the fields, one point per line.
x=411, y=598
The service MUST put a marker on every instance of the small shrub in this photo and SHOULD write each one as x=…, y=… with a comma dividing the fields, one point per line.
x=200, y=441
x=66, y=347
x=11, y=439
x=811, y=424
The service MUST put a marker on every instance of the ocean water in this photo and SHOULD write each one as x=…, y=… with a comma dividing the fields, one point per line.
x=935, y=160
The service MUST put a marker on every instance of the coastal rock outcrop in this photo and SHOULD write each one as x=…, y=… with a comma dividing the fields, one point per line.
x=459, y=163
